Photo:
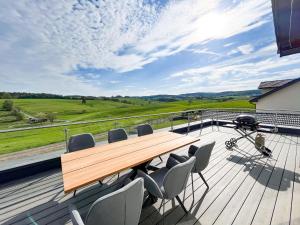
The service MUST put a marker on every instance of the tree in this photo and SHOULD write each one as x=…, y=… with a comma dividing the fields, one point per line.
x=51, y=117
x=6, y=96
x=18, y=114
x=41, y=115
x=8, y=105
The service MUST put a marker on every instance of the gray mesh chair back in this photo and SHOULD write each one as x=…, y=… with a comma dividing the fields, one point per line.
x=122, y=207
x=176, y=178
x=144, y=129
x=117, y=135
x=168, y=183
x=81, y=141
x=202, y=155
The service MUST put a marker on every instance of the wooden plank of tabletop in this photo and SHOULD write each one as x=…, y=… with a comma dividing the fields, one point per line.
x=82, y=162
x=86, y=152
x=93, y=173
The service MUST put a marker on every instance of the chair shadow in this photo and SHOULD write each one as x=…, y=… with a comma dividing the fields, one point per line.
x=176, y=215
x=252, y=164
x=49, y=211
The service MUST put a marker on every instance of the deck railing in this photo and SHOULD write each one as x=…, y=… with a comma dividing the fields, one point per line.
x=172, y=120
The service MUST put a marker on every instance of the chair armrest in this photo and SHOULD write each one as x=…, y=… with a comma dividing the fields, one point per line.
x=192, y=150
x=179, y=158
x=150, y=184
x=75, y=216
x=172, y=161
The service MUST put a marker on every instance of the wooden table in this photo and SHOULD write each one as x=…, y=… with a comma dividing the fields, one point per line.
x=90, y=165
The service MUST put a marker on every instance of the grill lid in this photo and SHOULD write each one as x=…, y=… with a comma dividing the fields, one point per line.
x=246, y=119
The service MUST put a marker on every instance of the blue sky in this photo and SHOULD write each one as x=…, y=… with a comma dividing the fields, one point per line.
x=136, y=47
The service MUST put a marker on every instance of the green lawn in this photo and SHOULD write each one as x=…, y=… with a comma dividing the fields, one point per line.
x=73, y=110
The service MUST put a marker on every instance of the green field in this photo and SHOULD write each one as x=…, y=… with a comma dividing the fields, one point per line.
x=73, y=111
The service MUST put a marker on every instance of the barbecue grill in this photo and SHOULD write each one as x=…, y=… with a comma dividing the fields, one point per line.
x=246, y=125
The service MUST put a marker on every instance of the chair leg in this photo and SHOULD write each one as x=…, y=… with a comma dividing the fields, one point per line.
x=163, y=206
x=193, y=190
x=74, y=193
x=118, y=175
x=100, y=182
x=200, y=174
x=164, y=212
x=160, y=158
x=181, y=204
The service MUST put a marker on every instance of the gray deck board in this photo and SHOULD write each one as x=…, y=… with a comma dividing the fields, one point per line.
x=295, y=205
x=245, y=188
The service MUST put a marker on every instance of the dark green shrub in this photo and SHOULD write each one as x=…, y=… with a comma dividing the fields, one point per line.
x=51, y=117
x=8, y=105
x=17, y=113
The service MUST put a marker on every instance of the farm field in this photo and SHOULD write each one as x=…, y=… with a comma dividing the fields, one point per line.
x=66, y=111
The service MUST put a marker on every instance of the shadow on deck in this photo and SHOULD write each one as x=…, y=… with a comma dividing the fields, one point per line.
x=245, y=188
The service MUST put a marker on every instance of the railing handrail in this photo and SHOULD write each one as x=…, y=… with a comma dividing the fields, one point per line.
x=144, y=115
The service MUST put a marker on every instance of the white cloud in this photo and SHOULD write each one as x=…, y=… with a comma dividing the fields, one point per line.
x=238, y=73
x=114, y=81
x=204, y=51
x=42, y=41
x=246, y=49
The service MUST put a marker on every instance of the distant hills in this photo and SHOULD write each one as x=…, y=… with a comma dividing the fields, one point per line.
x=206, y=95
x=197, y=95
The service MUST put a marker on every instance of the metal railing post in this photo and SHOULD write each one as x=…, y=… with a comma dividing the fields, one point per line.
x=171, y=120
x=201, y=121
x=66, y=138
x=212, y=120
x=188, y=130
x=275, y=125
x=217, y=120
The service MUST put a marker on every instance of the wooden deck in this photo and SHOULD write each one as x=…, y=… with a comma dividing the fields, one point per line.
x=245, y=188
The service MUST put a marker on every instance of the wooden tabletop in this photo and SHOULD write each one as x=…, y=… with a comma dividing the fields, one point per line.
x=87, y=166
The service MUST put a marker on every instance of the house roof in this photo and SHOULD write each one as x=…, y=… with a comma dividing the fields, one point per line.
x=273, y=83
x=275, y=89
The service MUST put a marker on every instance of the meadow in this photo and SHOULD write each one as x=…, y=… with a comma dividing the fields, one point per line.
x=67, y=111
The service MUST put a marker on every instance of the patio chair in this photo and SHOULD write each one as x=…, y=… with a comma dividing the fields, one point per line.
x=121, y=207
x=117, y=135
x=168, y=183
x=202, y=154
x=80, y=142
x=145, y=129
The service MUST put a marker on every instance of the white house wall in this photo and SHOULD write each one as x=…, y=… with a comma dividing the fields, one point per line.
x=285, y=99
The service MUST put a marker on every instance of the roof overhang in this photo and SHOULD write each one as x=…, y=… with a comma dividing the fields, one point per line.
x=274, y=90
x=286, y=14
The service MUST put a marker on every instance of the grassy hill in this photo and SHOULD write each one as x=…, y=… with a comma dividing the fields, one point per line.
x=67, y=110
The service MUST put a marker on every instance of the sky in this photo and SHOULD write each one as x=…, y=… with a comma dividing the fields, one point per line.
x=138, y=47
